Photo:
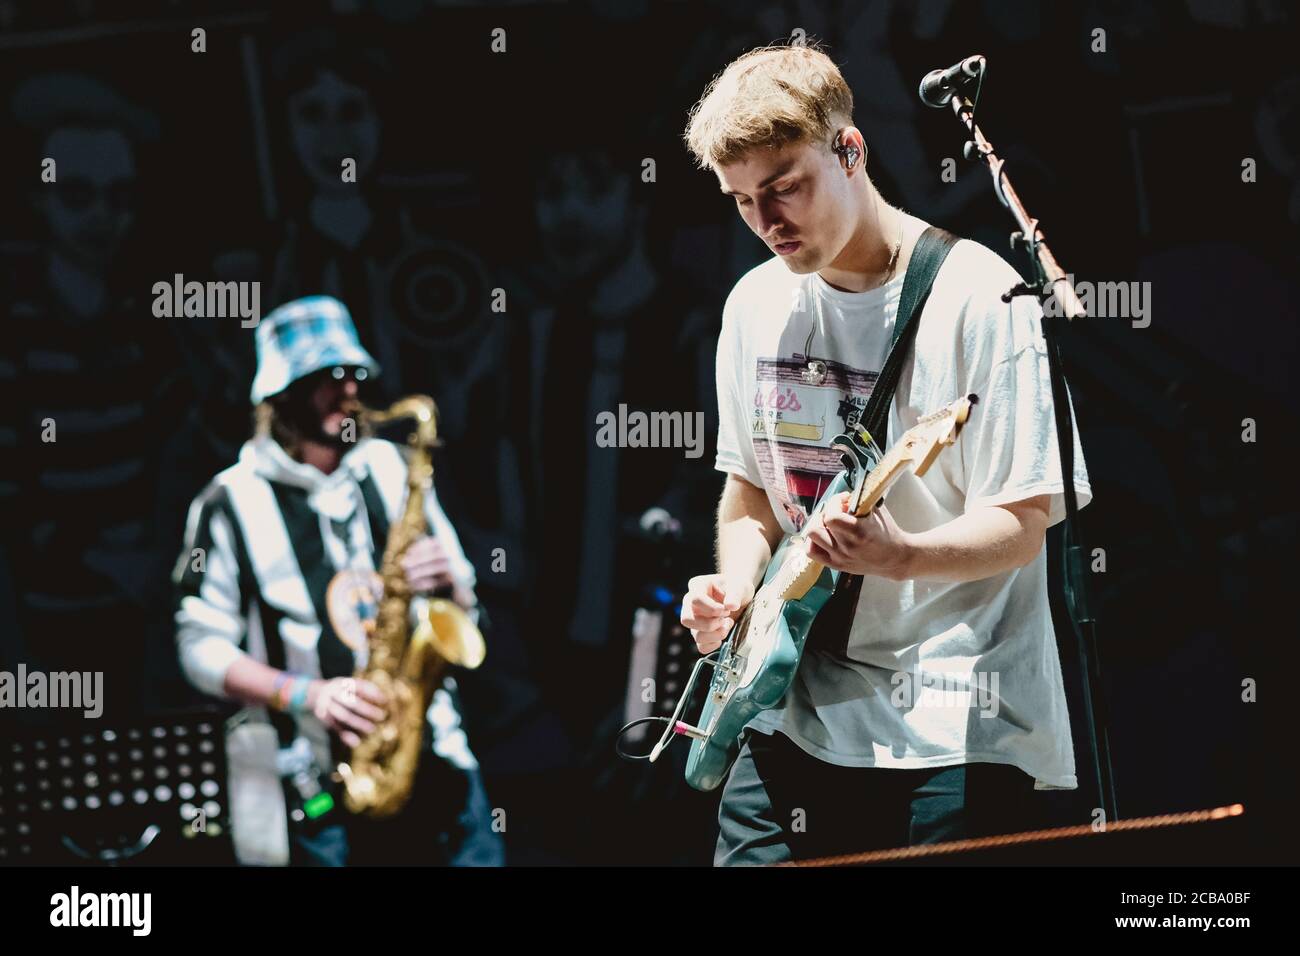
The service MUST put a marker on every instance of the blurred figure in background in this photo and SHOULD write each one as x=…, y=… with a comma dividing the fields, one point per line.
x=93, y=396
x=304, y=504
x=606, y=327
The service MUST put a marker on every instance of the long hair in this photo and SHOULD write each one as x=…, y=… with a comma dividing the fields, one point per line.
x=270, y=418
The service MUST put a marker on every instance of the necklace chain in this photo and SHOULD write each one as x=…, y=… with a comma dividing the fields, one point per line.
x=893, y=258
x=815, y=373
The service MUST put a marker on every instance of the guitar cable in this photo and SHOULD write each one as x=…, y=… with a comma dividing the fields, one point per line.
x=628, y=726
x=673, y=724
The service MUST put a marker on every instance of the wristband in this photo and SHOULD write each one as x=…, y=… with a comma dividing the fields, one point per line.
x=298, y=699
x=277, y=699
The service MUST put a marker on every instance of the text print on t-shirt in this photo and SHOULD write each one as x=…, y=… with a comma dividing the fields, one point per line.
x=794, y=423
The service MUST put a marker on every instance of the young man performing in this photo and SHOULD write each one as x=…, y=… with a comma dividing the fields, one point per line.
x=942, y=709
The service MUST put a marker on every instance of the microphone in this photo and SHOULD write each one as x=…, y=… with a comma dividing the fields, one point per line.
x=938, y=86
x=657, y=524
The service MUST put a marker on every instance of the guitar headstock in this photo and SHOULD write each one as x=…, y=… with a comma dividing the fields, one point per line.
x=921, y=443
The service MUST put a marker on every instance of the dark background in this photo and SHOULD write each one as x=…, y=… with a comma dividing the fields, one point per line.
x=522, y=171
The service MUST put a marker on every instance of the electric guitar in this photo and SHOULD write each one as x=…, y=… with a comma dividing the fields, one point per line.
x=757, y=662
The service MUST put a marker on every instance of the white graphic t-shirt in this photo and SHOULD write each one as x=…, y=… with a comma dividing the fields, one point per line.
x=934, y=673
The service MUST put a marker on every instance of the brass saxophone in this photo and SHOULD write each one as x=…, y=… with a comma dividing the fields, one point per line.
x=406, y=663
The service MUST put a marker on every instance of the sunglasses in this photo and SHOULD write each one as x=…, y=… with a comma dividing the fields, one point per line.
x=337, y=373
x=356, y=373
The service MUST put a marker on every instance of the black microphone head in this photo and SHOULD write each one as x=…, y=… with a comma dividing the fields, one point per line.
x=934, y=92
x=939, y=86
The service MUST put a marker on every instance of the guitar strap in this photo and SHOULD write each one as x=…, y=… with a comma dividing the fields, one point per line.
x=932, y=248
x=832, y=626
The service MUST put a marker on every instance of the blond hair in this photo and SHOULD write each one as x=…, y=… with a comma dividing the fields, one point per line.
x=768, y=98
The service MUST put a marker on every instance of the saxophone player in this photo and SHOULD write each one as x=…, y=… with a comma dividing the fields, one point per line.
x=260, y=621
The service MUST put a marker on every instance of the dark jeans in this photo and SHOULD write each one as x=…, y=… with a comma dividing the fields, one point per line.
x=447, y=822
x=781, y=804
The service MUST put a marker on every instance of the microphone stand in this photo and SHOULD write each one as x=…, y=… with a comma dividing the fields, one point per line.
x=1059, y=301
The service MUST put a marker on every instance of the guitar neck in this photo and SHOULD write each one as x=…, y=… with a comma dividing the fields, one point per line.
x=917, y=449
x=799, y=574
x=877, y=481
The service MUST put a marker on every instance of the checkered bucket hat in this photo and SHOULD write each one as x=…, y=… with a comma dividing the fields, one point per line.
x=305, y=336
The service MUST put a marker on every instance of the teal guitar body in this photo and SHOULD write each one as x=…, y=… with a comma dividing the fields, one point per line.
x=757, y=662
x=728, y=713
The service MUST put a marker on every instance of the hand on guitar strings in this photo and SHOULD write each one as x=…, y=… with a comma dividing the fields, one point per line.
x=711, y=606
x=872, y=544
